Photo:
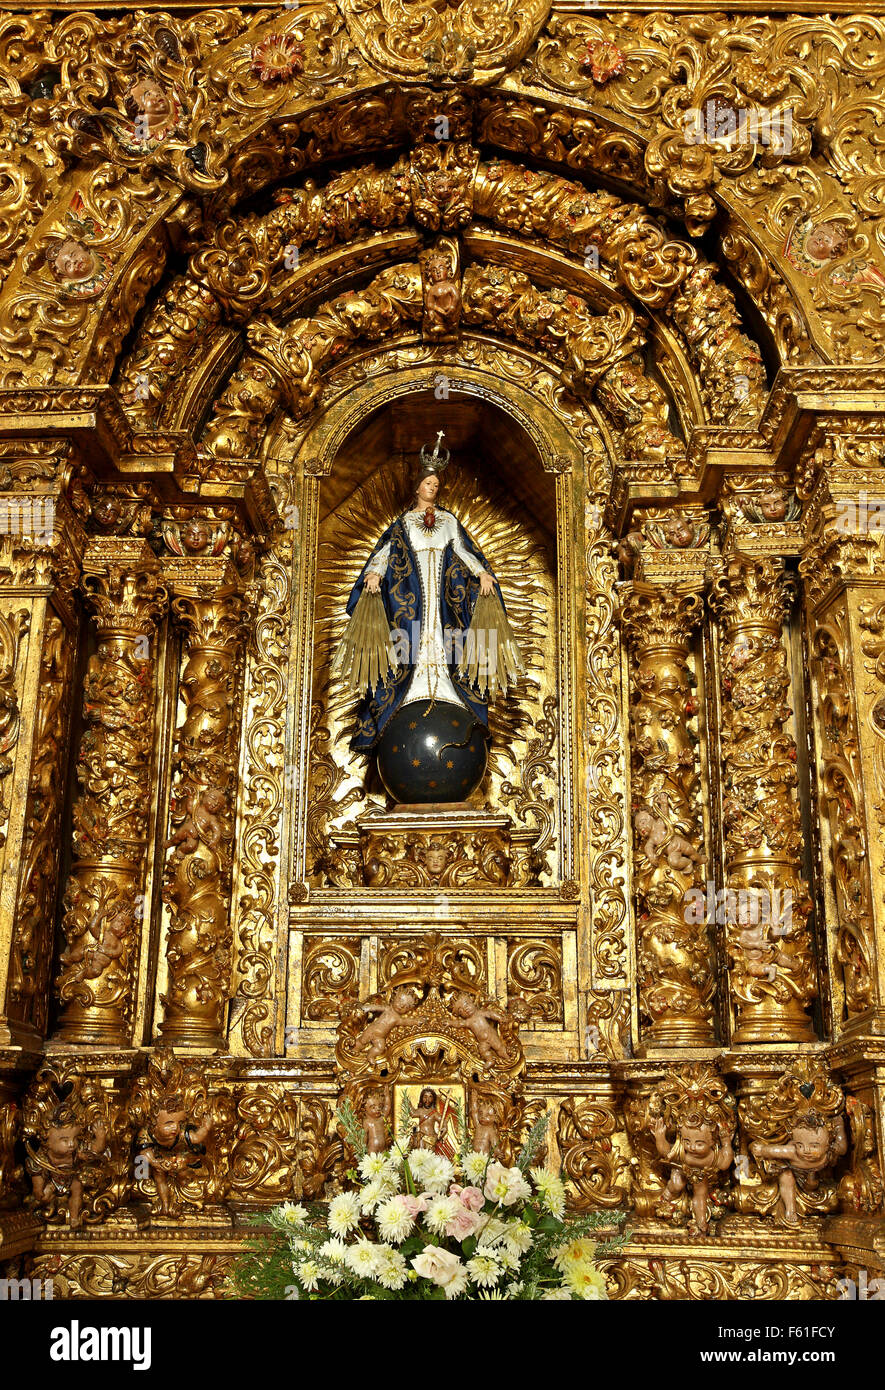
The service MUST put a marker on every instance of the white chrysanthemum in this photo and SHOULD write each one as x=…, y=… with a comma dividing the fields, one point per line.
x=344, y=1213
x=370, y=1165
x=362, y=1258
x=419, y=1162
x=438, y=1173
x=508, y=1259
x=296, y=1246
x=550, y=1189
x=439, y=1213
x=517, y=1237
x=376, y=1191
x=457, y=1284
x=292, y=1214
x=513, y=1288
x=493, y=1231
x=484, y=1270
x=587, y=1283
x=391, y=1268
x=556, y=1296
x=474, y=1165
x=334, y=1250
x=575, y=1254
x=308, y=1273
x=393, y=1221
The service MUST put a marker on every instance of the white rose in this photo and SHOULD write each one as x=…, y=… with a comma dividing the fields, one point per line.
x=439, y=1266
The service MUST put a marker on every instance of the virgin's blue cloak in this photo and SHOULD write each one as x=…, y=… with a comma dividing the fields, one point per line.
x=403, y=599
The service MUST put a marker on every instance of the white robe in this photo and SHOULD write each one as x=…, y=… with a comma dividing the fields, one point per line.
x=430, y=676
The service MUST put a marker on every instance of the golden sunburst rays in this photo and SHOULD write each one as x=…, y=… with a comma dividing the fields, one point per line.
x=513, y=544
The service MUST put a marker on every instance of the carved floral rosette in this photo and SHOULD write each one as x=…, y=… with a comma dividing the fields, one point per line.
x=431, y=1044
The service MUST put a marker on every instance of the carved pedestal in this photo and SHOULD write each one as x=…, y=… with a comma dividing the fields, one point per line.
x=453, y=846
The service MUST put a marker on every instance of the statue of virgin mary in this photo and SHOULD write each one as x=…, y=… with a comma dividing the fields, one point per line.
x=428, y=645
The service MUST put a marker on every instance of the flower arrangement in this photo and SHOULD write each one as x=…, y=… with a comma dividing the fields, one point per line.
x=422, y=1226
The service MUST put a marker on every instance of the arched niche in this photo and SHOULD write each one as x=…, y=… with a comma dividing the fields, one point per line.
x=518, y=481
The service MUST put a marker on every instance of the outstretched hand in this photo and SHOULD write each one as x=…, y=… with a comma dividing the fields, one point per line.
x=373, y=582
x=486, y=583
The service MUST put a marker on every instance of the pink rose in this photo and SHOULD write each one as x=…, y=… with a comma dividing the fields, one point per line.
x=413, y=1205
x=471, y=1197
x=463, y=1224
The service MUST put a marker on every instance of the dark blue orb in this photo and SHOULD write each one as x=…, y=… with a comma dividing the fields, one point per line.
x=432, y=752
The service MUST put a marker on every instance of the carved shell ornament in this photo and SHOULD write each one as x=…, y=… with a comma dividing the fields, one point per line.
x=473, y=41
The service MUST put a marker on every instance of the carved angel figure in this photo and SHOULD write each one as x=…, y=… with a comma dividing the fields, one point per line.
x=373, y=1119
x=66, y=1144
x=697, y=1156
x=482, y=1023
x=374, y=1036
x=814, y=1145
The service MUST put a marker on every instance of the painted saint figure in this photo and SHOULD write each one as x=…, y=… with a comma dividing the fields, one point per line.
x=441, y=619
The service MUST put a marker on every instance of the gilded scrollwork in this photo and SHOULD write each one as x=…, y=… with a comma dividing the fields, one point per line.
x=841, y=787
x=593, y=1160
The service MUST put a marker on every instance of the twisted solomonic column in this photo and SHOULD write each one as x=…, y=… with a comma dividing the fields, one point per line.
x=674, y=947
x=105, y=892
x=772, y=971
x=209, y=606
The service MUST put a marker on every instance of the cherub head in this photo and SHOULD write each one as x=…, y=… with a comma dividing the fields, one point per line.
x=486, y=1111
x=773, y=504
x=826, y=241
x=439, y=268
x=435, y=856
x=404, y=999
x=122, y=919
x=213, y=800
x=677, y=532
x=147, y=98
x=375, y=1104
x=463, y=1006
x=167, y=1125
x=698, y=1142
x=70, y=260
x=62, y=1134
x=811, y=1138
x=195, y=535
x=741, y=651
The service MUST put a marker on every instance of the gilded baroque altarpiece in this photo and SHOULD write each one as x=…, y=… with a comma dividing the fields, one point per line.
x=632, y=264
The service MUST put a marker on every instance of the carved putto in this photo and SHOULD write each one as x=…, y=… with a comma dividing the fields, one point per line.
x=796, y=1134
x=170, y=1108
x=690, y=1120
x=67, y=1126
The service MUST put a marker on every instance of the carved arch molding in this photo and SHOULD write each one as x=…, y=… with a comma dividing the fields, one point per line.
x=663, y=236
